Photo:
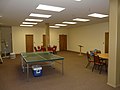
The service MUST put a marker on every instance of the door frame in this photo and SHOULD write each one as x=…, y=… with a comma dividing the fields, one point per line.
x=63, y=42
x=31, y=43
x=106, y=42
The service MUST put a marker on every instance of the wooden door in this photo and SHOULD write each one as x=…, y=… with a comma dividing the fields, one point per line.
x=44, y=40
x=29, y=43
x=62, y=42
x=106, y=42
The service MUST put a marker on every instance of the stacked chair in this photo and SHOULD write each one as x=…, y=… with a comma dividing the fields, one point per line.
x=49, y=48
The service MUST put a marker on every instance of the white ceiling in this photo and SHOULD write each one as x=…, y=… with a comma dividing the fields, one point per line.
x=14, y=12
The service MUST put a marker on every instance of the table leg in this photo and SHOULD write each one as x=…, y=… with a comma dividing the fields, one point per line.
x=62, y=68
x=22, y=66
x=1, y=59
x=80, y=50
x=27, y=71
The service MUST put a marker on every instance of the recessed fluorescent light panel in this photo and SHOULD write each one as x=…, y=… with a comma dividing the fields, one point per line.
x=69, y=22
x=34, y=20
x=26, y=25
x=60, y=24
x=78, y=0
x=80, y=19
x=40, y=15
x=54, y=26
x=50, y=8
x=98, y=15
x=29, y=23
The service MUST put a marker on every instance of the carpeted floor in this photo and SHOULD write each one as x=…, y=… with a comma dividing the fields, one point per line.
x=76, y=76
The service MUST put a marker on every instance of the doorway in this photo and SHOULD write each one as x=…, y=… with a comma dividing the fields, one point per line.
x=29, y=43
x=63, y=42
x=44, y=40
x=106, y=42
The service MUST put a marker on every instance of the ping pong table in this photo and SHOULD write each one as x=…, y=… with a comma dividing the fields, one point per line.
x=34, y=57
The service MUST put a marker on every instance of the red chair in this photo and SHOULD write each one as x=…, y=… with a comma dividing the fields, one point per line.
x=35, y=49
x=54, y=49
x=89, y=59
x=98, y=63
x=43, y=48
x=39, y=49
x=50, y=49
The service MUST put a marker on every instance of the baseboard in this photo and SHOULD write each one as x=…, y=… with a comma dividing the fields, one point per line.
x=114, y=86
x=72, y=51
x=75, y=52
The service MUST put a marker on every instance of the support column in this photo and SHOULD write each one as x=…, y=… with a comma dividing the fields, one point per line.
x=114, y=44
x=47, y=35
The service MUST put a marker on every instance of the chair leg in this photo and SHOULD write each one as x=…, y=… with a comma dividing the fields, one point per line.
x=97, y=67
x=100, y=69
x=93, y=67
x=88, y=64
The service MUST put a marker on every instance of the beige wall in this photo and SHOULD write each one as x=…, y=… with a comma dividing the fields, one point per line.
x=18, y=37
x=6, y=39
x=91, y=37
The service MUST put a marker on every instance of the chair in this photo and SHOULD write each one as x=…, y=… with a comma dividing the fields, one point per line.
x=38, y=48
x=98, y=63
x=50, y=49
x=89, y=59
x=54, y=49
x=35, y=49
x=43, y=48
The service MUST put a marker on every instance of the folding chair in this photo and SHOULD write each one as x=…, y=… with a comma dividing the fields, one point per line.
x=1, y=59
x=98, y=62
x=89, y=59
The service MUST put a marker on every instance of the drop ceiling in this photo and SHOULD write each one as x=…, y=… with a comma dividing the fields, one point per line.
x=14, y=12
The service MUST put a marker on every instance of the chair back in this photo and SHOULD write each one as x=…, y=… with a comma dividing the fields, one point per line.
x=38, y=47
x=43, y=48
x=88, y=56
x=35, y=49
x=96, y=59
x=49, y=48
x=98, y=51
x=54, y=49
